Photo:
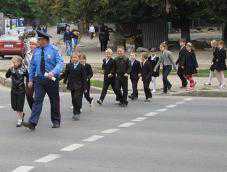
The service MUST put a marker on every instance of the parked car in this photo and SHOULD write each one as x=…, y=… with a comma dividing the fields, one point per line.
x=61, y=27
x=11, y=45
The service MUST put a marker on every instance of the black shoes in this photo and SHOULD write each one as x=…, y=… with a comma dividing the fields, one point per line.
x=125, y=104
x=29, y=125
x=99, y=102
x=133, y=97
x=76, y=117
x=56, y=126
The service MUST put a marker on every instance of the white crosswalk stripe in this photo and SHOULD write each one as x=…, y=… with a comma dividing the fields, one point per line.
x=48, y=158
x=125, y=125
x=23, y=169
x=93, y=138
x=72, y=147
x=110, y=131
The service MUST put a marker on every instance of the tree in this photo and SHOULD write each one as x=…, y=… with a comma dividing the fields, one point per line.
x=182, y=12
x=217, y=10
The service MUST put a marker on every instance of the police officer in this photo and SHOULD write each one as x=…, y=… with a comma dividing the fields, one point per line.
x=45, y=68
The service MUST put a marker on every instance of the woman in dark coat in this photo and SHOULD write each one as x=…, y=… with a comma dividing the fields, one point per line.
x=221, y=64
x=17, y=73
x=214, y=45
x=154, y=60
x=191, y=66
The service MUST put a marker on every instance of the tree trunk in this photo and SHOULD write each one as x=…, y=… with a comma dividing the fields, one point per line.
x=224, y=33
x=185, y=28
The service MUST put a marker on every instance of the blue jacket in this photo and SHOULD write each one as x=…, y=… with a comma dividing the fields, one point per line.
x=53, y=62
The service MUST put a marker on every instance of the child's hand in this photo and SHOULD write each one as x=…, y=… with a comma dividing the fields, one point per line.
x=110, y=75
x=30, y=84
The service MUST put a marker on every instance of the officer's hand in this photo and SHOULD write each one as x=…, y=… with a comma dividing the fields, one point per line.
x=50, y=75
x=30, y=84
x=126, y=75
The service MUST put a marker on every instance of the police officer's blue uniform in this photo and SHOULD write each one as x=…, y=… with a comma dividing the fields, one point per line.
x=53, y=63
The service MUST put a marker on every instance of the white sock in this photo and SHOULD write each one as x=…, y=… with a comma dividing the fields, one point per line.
x=154, y=83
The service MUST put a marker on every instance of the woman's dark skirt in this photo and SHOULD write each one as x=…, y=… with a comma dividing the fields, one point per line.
x=17, y=101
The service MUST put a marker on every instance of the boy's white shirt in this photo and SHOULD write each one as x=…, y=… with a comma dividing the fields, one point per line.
x=153, y=57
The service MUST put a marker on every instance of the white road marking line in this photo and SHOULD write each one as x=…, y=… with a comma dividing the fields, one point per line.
x=188, y=99
x=93, y=138
x=48, y=158
x=161, y=110
x=151, y=114
x=180, y=103
x=110, y=131
x=171, y=106
x=72, y=147
x=1, y=107
x=139, y=119
x=127, y=124
x=23, y=169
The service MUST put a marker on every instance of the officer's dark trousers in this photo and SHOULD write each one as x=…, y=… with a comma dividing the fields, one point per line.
x=166, y=84
x=147, y=90
x=77, y=96
x=103, y=45
x=29, y=95
x=182, y=77
x=134, y=88
x=122, y=83
x=42, y=87
x=87, y=92
x=107, y=82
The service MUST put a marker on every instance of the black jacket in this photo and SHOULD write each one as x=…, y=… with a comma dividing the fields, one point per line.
x=88, y=71
x=135, y=70
x=17, y=76
x=220, y=61
x=122, y=66
x=191, y=63
x=182, y=57
x=108, y=68
x=76, y=77
x=67, y=36
x=214, y=60
x=147, y=70
x=154, y=62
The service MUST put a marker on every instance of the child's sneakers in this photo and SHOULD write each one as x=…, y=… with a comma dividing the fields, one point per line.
x=222, y=86
x=207, y=84
x=19, y=122
x=99, y=102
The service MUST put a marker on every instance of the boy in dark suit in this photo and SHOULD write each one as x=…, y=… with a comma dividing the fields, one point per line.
x=122, y=69
x=109, y=76
x=147, y=71
x=134, y=75
x=75, y=77
x=89, y=74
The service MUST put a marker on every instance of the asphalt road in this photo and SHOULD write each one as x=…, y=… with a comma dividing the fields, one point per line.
x=170, y=134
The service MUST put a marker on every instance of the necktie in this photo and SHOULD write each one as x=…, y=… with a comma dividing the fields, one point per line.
x=42, y=65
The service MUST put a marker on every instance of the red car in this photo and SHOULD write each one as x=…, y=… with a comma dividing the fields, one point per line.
x=11, y=45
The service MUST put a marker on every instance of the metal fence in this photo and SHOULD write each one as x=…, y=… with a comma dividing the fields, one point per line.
x=153, y=34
